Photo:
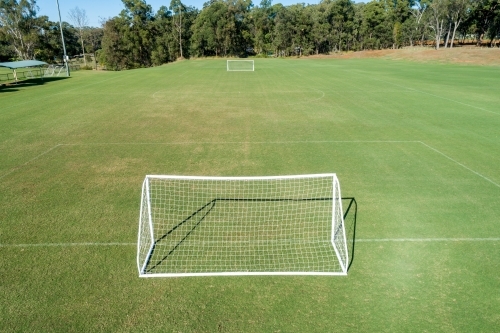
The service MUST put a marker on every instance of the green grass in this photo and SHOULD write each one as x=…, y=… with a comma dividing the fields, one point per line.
x=417, y=145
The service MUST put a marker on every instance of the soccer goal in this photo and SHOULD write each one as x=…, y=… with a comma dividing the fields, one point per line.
x=240, y=66
x=205, y=226
x=49, y=71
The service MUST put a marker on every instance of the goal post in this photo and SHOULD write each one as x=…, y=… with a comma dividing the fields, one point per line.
x=206, y=226
x=240, y=65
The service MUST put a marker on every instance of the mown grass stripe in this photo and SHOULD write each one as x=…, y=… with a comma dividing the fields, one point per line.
x=385, y=240
x=67, y=244
x=433, y=95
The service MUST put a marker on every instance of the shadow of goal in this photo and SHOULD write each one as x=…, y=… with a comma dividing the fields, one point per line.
x=350, y=208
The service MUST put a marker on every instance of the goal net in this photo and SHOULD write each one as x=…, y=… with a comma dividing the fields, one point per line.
x=240, y=65
x=284, y=225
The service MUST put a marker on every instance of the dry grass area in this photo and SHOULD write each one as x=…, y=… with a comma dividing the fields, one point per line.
x=458, y=55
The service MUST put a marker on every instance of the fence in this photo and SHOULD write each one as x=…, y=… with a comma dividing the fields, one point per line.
x=32, y=73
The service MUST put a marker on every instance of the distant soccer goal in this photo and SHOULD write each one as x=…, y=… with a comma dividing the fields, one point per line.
x=205, y=226
x=52, y=70
x=240, y=66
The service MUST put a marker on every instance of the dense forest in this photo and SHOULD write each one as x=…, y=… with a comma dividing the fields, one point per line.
x=139, y=37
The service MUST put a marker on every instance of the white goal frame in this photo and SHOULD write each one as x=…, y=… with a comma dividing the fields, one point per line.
x=240, y=70
x=151, y=231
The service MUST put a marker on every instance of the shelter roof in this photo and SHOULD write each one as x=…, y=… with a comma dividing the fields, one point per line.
x=22, y=63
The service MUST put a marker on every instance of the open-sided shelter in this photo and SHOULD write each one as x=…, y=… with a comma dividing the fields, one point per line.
x=14, y=65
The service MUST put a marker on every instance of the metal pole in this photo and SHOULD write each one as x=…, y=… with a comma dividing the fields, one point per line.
x=62, y=38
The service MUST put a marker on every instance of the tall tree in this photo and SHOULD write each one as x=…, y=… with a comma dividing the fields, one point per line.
x=177, y=7
x=419, y=11
x=49, y=46
x=438, y=9
x=181, y=17
x=137, y=36
x=399, y=11
x=260, y=23
x=494, y=29
x=18, y=26
x=283, y=31
x=358, y=38
x=341, y=18
x=320, y=29
x=220, y=28
x=210, y=30
x=482, y=16
x=293, y=28
x=80, y=21
x=239, y=35
x=458, y=10
x=376, y=26
x=93, y=39
x=114, y=53
x=164, y=40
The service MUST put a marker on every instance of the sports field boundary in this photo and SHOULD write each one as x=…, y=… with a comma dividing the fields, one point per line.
x=463, y=166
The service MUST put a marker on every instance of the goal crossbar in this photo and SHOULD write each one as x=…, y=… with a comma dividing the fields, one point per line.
x=225, y=226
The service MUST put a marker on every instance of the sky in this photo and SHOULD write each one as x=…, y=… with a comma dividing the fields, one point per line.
x=97, y=10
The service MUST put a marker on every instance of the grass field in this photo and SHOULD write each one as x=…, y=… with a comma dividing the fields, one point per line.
x=417, y=146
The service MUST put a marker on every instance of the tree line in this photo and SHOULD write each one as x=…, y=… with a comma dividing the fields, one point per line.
x=25, y=35
x=139, y=37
